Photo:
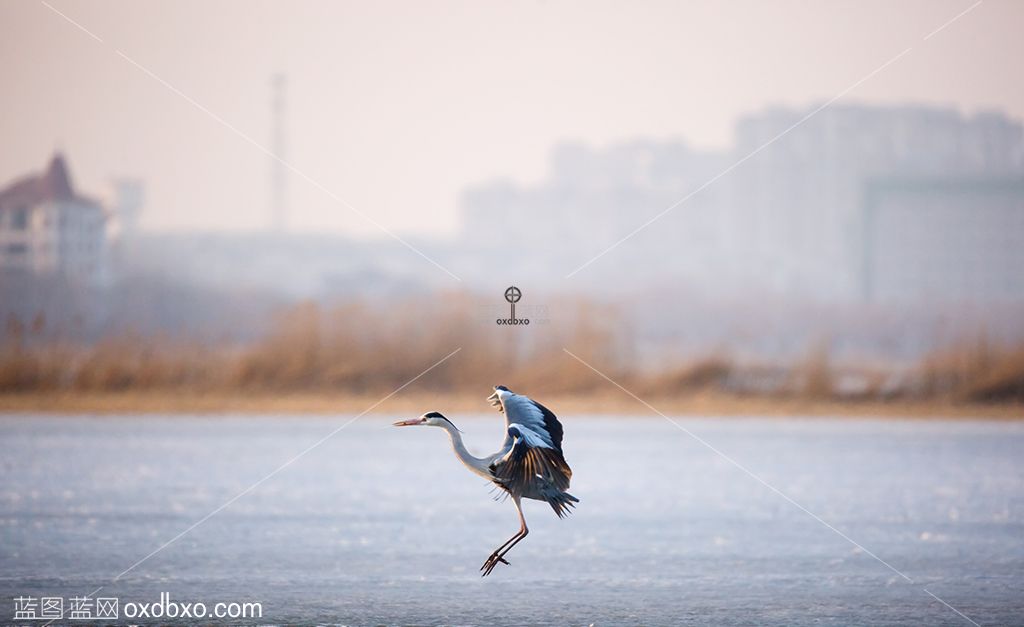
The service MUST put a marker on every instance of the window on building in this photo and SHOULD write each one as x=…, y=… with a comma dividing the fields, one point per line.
x=19, y=219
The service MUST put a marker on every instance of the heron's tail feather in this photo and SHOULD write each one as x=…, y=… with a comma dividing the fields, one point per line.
x=561, y=502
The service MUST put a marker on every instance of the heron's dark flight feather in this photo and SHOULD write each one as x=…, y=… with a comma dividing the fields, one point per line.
x=551, y=425
x=534, y=472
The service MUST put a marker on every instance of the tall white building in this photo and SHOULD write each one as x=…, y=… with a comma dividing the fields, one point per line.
x=48, y=229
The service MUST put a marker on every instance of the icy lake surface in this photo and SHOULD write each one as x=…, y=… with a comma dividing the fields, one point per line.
x=379, y=525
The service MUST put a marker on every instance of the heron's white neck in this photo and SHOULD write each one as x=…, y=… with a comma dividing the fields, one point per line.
x=477, y=465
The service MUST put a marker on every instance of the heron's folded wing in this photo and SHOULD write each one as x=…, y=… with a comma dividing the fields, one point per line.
x=529, y=461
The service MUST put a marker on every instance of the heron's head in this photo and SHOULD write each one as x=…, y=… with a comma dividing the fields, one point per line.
x=431, y=419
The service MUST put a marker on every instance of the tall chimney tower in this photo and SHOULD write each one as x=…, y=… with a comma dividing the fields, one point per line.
x=279, y=146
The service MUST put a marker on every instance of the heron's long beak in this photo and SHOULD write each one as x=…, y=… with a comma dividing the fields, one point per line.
x=409, y=423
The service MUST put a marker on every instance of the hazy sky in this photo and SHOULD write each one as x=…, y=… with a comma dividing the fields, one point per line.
x=396, y=107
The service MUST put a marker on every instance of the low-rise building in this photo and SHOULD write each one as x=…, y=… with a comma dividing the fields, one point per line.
x=46, y=228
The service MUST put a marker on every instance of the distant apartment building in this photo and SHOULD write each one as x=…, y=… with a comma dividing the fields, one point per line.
x=797, y=206
x=810, y=202
x=590, y=200
x=46, y=228
x=944, y=239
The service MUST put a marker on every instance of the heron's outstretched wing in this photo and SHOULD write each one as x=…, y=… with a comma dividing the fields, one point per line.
x=531, y=465
x=521, y=410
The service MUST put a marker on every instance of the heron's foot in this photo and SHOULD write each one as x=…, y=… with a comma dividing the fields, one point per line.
x=491, y=562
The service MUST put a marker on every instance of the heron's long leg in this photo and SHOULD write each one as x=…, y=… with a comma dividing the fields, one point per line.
x=501, y=556
x=495, y=552
x=498, y=556
x=514, y=540
x=522, y=529
x=522, y=526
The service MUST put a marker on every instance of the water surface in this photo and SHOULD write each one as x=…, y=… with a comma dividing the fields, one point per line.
x=379, y=525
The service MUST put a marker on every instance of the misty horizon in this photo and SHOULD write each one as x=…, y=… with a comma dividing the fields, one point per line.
x=887, y=180
x=505, y=179
x=356, y=75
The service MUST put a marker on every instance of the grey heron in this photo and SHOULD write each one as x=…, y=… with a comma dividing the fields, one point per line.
x=529, y=465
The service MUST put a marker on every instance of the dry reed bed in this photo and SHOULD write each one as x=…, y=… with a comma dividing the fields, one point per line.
x=362, y=349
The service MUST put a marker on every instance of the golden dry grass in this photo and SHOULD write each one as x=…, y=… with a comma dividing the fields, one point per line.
x=416, y=402
x=974, y=372
x=345, y=358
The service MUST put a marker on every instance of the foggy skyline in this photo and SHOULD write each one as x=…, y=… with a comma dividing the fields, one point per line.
x=398, y=110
